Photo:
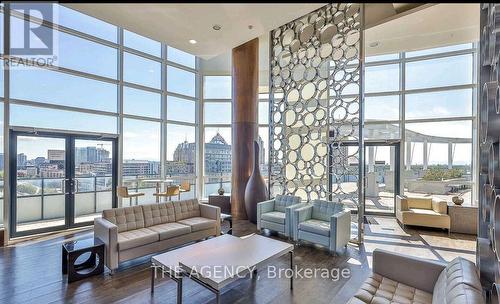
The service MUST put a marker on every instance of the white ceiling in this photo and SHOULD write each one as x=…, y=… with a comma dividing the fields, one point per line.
x=176, y=24
x=425, y=27
x=394, y=28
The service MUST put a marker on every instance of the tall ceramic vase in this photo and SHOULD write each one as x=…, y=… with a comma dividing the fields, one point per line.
x=256, y=190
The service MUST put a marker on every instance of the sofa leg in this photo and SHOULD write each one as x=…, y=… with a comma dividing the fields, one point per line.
x=112, y=272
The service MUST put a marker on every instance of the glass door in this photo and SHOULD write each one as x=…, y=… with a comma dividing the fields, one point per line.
x=94, y=163
x=381, y=177
x=61, y=181
x=40, y=183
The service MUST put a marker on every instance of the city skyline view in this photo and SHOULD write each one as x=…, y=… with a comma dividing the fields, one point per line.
x=48, y=151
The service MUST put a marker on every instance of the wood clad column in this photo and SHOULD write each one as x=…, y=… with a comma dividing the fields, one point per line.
x=245, y=73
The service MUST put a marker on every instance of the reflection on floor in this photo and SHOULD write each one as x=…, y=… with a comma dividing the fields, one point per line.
x=30, y=271
x=435, y=244
x=28, y=226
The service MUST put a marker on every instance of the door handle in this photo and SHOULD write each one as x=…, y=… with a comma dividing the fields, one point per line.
x=73, y=186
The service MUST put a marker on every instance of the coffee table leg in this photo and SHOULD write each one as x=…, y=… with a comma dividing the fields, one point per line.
x=152, y=279
x=179, y=291
x=217, y=297
x=293, y=272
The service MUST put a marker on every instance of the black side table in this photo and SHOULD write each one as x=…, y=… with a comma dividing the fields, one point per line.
x=92, y=266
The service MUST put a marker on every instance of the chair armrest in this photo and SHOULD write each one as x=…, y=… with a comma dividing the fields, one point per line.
x=289, y=227
x=340, y=230
x=412, y=271
x=264, y=207
x=303, y=213
x=300, y=214
x=439, y=206
x=401, y=203
x=211, y=212
x=107, y=232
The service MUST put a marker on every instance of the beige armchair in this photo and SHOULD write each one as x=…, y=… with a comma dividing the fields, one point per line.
x=422, y=211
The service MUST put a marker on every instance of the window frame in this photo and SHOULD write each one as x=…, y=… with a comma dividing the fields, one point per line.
x=119, y=114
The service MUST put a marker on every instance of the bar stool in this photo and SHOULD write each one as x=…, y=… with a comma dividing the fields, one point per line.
x=184, y=187
x=170, y=191
x=122, y=192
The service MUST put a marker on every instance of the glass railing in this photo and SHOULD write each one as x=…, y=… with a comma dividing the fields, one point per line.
x=43, y=199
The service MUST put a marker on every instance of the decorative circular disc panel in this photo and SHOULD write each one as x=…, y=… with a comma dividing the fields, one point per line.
x=314, y=64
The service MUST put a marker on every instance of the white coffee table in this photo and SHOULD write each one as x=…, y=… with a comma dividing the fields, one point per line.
x=217, y=262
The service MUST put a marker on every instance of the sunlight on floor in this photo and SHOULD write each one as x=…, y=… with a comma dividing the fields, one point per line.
x=385, y=233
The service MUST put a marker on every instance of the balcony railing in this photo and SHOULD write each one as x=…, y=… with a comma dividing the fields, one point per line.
x=41, y=199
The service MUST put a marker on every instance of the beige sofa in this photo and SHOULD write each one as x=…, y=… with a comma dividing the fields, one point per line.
x=421, y=211
x=136, y=231
x=398, y=278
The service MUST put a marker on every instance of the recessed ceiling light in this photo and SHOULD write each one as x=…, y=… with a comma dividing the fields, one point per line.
x=216, y=27
x=250, y=27
x=374, y=44
x=192, y=41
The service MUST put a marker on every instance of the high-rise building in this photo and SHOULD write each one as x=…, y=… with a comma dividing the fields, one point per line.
x=81, y=155
x=91, y=155
x=185, y=152
x=102, y=154
x=21, y=160
x=217, y=155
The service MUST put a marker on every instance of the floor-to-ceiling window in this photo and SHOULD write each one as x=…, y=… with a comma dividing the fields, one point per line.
x=2, y=165
x=182, y=146
x=217, y=133
x=424, y=99
x=110, y=82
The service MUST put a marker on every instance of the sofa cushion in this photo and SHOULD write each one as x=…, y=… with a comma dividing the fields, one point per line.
x=458, y=283
x=427, y=218
x=378, y=289
x=419, y=202
x=424, y=211
x=316, y=227
x=323, y=210
x=135, y=238
x=127, y=218
x=275, y=217
x=170, y=230
x=283, y=201
x=186, y=209
x=155, y=214
x=198, y=223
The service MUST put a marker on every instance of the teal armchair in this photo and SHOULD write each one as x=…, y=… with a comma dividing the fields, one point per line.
x=324, y=223
x=276, y=214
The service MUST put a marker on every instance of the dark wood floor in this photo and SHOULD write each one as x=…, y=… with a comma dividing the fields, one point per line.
x=30, y=272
